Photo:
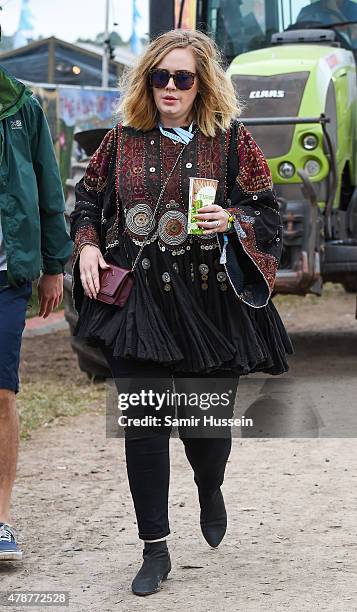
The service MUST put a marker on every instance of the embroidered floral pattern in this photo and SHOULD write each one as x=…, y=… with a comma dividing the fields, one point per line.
x=87, y=234
x=145, y=163
x=254, y=173
x=96, y=175
x=267, y=264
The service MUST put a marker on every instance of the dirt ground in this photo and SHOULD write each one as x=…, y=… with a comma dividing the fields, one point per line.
x=291, y=542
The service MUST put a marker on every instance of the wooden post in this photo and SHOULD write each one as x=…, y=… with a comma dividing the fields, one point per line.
x=51, y=60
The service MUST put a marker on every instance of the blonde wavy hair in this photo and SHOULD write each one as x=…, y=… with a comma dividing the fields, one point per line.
x=216, y=103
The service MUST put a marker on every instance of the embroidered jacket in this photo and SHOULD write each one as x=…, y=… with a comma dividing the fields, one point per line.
x=120, y=187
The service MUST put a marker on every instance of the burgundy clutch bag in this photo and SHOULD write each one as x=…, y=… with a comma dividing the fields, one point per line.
x=115, y=285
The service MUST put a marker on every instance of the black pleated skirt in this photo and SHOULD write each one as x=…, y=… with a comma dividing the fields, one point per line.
x=187, y=317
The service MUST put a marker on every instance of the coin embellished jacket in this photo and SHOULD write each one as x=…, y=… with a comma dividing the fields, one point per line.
x=116, y=198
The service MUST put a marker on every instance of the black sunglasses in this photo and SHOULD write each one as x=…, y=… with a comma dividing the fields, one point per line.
x=183, y=79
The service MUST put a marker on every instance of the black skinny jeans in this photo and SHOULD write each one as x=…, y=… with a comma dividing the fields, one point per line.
x=147, y=454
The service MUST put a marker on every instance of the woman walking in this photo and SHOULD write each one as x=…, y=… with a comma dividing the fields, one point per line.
x=200, y=304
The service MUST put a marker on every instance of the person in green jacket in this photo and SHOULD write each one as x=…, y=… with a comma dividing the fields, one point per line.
x=33, y=243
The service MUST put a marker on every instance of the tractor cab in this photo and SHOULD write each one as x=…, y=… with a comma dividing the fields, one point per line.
x=293, y=64
x=239, y=26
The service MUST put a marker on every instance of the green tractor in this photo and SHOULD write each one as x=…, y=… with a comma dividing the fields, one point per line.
x=300, y=96
x=293, y=63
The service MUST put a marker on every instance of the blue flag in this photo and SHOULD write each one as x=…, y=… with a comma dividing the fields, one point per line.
x=25, y=25
x=135, y=42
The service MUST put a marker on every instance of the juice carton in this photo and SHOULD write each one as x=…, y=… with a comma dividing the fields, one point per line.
x=202, y=193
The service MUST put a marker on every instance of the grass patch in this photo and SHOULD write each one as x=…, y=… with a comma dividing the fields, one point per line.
x=329, y=290
x=40, y=407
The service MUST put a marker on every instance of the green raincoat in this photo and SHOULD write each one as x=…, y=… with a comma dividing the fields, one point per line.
x=31, y=196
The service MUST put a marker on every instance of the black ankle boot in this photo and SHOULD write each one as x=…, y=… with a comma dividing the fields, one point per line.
x=155, y=568
x=213, y=517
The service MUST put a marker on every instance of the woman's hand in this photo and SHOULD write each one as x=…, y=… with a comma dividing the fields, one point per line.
x=90, y=261
x=212, y=219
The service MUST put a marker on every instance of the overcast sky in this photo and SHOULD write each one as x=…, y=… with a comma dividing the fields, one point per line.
x=71, y=19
